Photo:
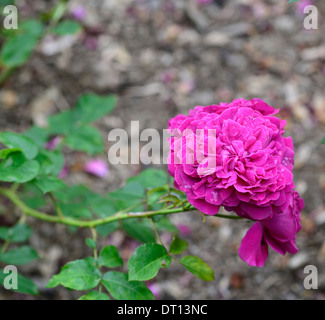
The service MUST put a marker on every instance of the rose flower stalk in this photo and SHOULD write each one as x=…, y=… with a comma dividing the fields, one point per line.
x=235, y=155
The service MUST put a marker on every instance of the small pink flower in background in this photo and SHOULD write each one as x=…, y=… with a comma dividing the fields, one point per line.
x=168, y=76
x=97, y=167
x=52, y=144
x=79, y=12
x=184, y=229
x=154, y=288
x=91, y=42
x=301, y=6
x=64, y=172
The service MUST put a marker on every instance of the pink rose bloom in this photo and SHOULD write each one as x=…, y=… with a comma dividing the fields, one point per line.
x=279, y=233
x=232, y=155
x=235, y=155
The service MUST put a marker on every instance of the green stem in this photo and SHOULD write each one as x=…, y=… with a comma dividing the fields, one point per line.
x=56, y=206
x=156, y=232
x=5, y=246
x=121, y=215
x=5, y=74
x=94, y=235
x=228, y=216
x=58, y=12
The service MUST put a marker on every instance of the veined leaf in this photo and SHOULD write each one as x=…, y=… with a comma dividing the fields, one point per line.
x=77, y=275
x=178, y=245
x=19, y=256
x=48, y=183
x=14, y=140
x=118, y=285
x=198, y=267
x=94, y=295
x=110, y=257
x=18, y=233
x=146, y=261
x=23, y=173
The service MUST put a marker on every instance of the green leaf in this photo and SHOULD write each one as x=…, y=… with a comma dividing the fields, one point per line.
x=67, y=27
x=4, y=3
x=19, y=233
x=131, y=194
x=106, y=229
x=61, y=123
x=164, y=224
x=151, y=178
x=91, y=107
x=198, y=267
x=169, y=198
x=4, y=233
x=154, y=195
x=74, y=194
x=146, y=261
x=51, y=162
x=87, y=139
x=38, y=135
x=20, y=174
x=168, y=261
x=323, y=141
x=32, y=196
x=139, y=231
x=32, y=27
x=17, y=49
x=103, y=207
x=109, y=257
x=91, y=243
x=120, y=288
x=77, y=275
x=290, y=1
x=94, y=295
x=178, y=245
x=24, y=285
x=19, y=256
x=14, y=140
x=4, y=153
x=48, y=183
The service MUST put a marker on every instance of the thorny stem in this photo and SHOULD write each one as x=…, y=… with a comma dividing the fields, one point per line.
x=121, y=215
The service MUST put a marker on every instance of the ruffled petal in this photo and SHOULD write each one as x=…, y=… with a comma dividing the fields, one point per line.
x=253, y=249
